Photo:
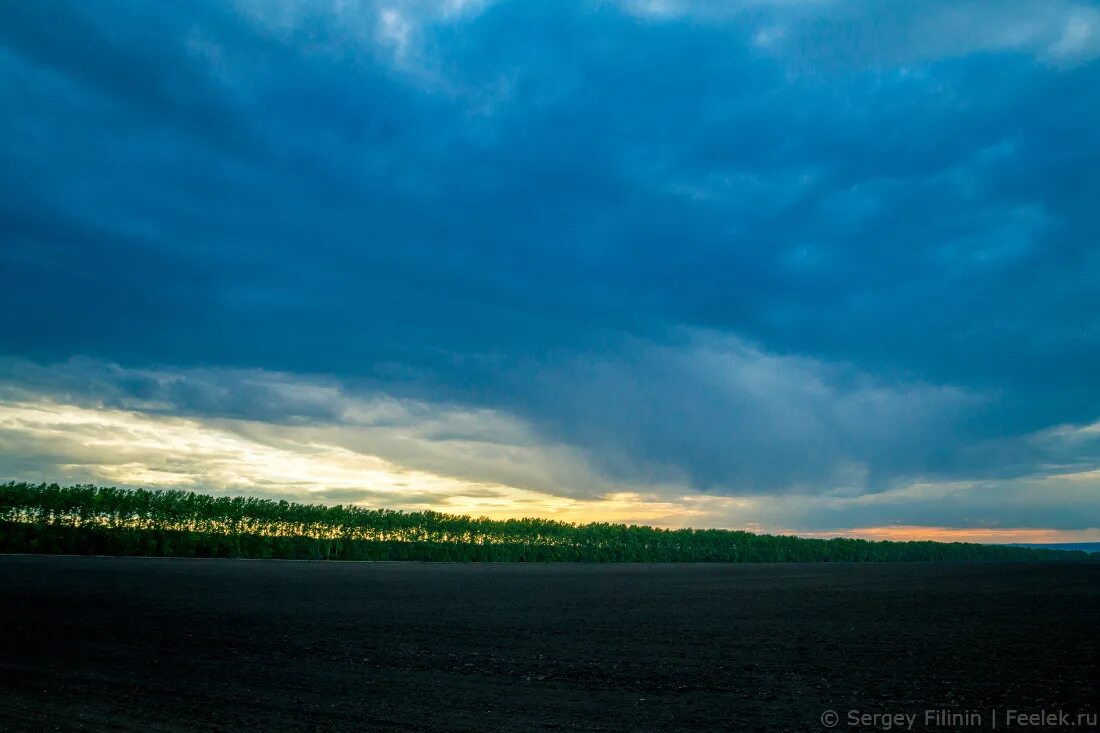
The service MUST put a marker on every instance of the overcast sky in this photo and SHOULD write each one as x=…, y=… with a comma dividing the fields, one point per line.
x=794, y=265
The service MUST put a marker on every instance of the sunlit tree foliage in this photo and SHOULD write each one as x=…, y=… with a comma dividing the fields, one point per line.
x=87, y=519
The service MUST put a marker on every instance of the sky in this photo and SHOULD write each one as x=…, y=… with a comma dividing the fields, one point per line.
x=802, y=266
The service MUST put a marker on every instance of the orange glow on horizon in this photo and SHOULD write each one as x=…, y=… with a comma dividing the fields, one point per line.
x=902, y=533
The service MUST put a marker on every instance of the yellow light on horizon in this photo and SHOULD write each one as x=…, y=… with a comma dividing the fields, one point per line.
x=131, y=448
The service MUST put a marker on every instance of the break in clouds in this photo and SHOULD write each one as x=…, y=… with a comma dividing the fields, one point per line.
x=798, y=265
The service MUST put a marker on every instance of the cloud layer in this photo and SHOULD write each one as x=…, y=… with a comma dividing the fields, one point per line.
x=738, y=252
x=308, y=439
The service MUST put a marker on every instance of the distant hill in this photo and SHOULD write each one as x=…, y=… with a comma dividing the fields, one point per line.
x=1081, y=546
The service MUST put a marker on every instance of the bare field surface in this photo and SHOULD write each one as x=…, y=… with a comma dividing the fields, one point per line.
x=176, y=645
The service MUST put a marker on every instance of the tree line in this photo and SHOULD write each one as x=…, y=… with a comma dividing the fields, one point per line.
x=88, y=519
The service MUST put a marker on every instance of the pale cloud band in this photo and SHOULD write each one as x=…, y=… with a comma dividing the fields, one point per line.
x=73, y=422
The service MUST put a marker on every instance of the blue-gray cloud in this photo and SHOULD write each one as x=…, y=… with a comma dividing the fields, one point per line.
x=758, y=251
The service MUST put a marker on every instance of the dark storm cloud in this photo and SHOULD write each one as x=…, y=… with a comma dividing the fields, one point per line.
x=764, y=250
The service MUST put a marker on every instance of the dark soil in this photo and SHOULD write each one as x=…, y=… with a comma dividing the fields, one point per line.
x=155, y=644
